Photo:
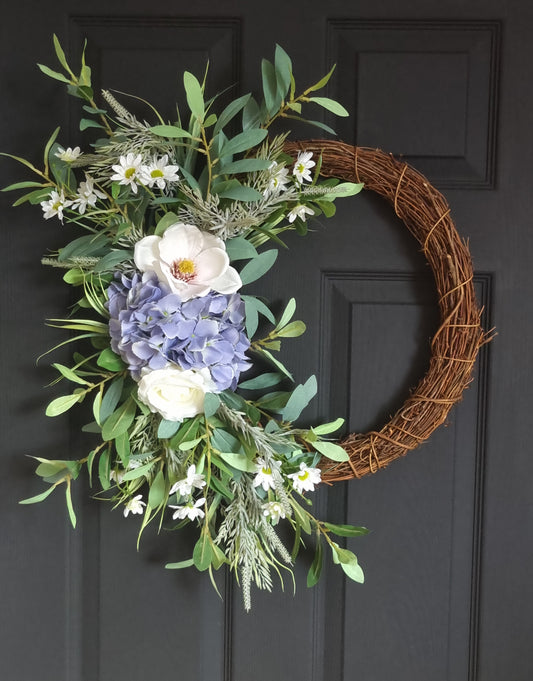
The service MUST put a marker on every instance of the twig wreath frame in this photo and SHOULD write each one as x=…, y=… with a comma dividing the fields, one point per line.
x=455, y=345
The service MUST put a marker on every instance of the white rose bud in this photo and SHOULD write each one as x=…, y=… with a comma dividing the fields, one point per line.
x=175, y=393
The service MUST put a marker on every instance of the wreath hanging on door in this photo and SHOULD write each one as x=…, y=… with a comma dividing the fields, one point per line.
x=193, y=412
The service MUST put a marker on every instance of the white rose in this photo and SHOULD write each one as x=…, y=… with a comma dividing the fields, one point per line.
x=175, y=393
x=190, y=261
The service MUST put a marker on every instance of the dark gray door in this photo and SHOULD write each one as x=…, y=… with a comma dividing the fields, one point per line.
x=448, y=591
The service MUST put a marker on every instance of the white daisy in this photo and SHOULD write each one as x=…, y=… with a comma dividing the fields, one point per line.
x=300, y=211
x=134, y=505
x=193, y=480
x=87, y=195
x=306, y=478
x=279, y=177
x=190, y=510
x=302, y=167
x=68, y=155
x=127, y=171
x=264, y=473
x=273, y=510
x=158, y=173
x=55, y=205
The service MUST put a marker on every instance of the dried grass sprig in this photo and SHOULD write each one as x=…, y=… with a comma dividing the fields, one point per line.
x=455, y=346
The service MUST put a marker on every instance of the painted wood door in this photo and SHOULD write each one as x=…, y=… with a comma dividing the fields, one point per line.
x=448, y=593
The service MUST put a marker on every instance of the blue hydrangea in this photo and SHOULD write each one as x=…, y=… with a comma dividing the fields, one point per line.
x=150, y=327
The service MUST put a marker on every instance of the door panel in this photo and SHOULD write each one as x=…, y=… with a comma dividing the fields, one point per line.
x=447, y=594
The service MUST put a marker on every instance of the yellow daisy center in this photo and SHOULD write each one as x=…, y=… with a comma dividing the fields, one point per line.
x=129, y=172
x=156, y=173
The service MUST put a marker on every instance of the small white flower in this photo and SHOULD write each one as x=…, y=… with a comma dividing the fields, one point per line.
x=190, y=510
x=273, y=510
x=87, y=195
x=55, y=205
x=264, y=475
x=193, y=480
x=117, y=476
x=279, y=177
x=300, y=211
x=175, y=393
x=68, y=155
x=302, y=167
x=134, y=505
x=190, y=261
x=159, y=173
x=127, y=171
x=306, y=478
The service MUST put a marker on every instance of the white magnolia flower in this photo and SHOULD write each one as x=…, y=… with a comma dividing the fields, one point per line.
x=306, y=478
x=87, y=195
x=190, y=510
x=185, y=487
x=68, y=155
x=175, y=393
x=273, y=510
x=279, y=177
x=190, y=261
x=158, y=173
x=302, y=167
x=134, y=505
x=264, y=476
x=127, y=171
x=55, y=205
x=300, y=211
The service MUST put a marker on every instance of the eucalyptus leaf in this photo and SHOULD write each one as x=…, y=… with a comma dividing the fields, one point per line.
x=331, y=451
x=211, y=404
x=259, y=266
x=283, y=68
x=120, y=420
x=156, y=495
x=245, y=165
x=170, y=131
x=262, y=381
x=326, y=428
x=167, y=429
x=241, y=193
x=243, y=141
x=270, y=87
x=238, y=461
x=346, y=530
x=330, y=105
x=288, y=314
x=299, y=399
x=109, y=360
x=139, y=472
x=166, y=221
x=275, y=362
x=195, y=97
x=111, y=398
x=70, y=507
x=240, y=248
x=230, y=112
x=316, y=566
x=202, y=554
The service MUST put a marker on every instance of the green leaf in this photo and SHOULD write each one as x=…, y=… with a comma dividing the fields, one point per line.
x=245, y=165
x=283, y=67
x=330, y=105
x=122, y=445
x=243, y=141
x=346, y=530
x=240, y=248
x=342, y=189
x=70, y=507
x=61, y=404
x=240, y=192
x=39, y=497
x=104, y=469
x=299, y=399
x=203, y=554
x=326, y=428
x=22, y=185
x=120, y=420
x=156, y=495
x=270, y=87
x=259, y=266
x=195, y=97
x=275, y=362
x=109, y=360
x=331, y=451
x=224, y=441
x=171, y=131
x=262, y=381
x=323, y=81
x=316, y=566
x=179, y=566
x=53, y=74
x=48, y=146
x=354, y=571
x=252, y=301
x=139, y=472
x=186, y=445
x=211, y=404
x=60, y=54
x=238, y=461
x=288, y=314
x=292, y=330
x=319, y=124
x=301, y=517
x=70, y=375
x=167, y=429
x=111, y=398
x=230, y=112
x=86, y=123
x=166, y=221
x=109, y=262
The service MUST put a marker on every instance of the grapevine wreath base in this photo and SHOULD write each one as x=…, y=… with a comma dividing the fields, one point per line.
x=455, y=346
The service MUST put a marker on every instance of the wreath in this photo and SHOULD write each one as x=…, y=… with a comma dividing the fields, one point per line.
x=194, y=414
